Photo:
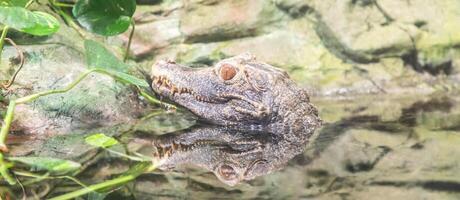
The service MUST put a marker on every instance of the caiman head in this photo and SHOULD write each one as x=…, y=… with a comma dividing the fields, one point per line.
x=235, y=91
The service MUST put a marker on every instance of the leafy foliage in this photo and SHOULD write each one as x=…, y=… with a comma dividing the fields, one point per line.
x=105, y=17
x=101, y=140
x=50, y=164
x=31, y=22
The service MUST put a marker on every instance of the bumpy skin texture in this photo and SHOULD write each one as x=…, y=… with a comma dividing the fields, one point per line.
x=260, y=117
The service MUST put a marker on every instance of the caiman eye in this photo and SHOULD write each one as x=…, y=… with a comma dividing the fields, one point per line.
x=227, y=72
x=227, y=172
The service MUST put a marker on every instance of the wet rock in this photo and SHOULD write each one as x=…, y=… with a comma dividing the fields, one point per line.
x=439, y=23
x=160, y=33
x=427, y=27
x=200, y=53
x=97, y=101
x=353, y=35
x=294, y=8
x=288, y=49
x=225, y=20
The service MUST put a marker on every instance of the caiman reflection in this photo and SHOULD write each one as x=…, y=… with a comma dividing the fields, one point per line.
x=233, y=155
x=260, y=117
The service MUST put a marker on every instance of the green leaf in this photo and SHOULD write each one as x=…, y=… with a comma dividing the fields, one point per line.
x=98, y=56
x=104, y=17
x=127, y=78
x=20, y=3
x=101, y=140
x=34, y=23
x=46, y=163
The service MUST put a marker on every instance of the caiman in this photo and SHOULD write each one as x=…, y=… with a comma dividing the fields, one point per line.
x=258, y=117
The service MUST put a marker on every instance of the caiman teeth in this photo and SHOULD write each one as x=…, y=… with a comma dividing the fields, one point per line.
x=162, y=81
x=183, y=90
x=174, y=90
x=164, y=150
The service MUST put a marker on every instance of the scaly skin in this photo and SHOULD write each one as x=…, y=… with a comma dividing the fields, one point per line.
x=260, y=117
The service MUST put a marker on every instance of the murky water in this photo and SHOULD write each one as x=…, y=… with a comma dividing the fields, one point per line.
x=370, y=147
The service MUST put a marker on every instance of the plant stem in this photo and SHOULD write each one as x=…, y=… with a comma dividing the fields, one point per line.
x=103, y=185
x=126, y=156
x=46, y=176
x=3, y=133
x=6, y=125
x=21, y=64
x=156, y=101
x=133, y=24
x=38, y=178
x=28, y=4
x=113, y=182
x=44, y=93
x=59, y=4
x=150, y=115
x=4, y=171
x=2, y=40
x=69, y=20
x=150, y=98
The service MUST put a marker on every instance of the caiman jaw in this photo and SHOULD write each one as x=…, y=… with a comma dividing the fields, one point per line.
x=166, y=149
x=162, y=81
x=164, y=84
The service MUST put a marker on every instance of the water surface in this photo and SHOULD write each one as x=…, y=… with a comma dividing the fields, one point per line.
x=370, y=147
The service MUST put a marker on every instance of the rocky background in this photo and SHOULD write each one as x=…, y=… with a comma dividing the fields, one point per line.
x=332, y=47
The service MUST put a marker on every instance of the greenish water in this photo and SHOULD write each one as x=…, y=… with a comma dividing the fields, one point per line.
x=370, y=147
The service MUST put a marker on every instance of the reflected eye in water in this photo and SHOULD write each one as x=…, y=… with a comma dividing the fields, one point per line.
x=227, y=72
x=227, y=172
x=257, y=168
